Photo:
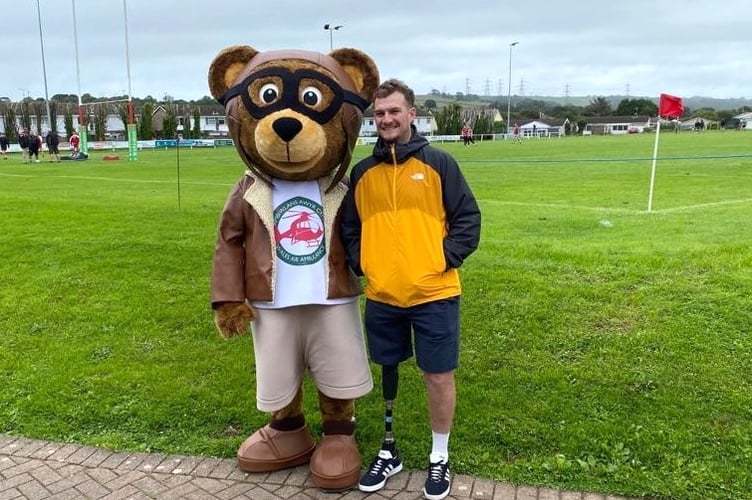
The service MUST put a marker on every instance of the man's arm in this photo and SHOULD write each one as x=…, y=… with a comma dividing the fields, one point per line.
x=463, y=216
x=350, y=228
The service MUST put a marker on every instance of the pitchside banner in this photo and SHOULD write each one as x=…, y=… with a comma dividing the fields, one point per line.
x=132, y=142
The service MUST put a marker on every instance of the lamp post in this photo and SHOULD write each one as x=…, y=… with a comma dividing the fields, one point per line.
x=509, y=95
x=330, y=28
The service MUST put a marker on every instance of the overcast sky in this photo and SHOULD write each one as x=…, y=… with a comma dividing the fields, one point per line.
x=578, y=47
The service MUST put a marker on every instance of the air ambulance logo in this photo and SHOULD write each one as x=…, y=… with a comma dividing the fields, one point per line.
x=299, y=231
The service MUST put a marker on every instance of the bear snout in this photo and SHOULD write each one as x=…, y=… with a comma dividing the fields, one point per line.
x=287, y=128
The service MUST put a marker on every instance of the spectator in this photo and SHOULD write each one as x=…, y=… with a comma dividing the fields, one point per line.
x=516, y=133
x=23, y=142
x=53, y=143
x=4, y=144
x=465, y=133
x=35, y=143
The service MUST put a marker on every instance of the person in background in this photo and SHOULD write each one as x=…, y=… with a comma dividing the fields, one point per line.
x=35, y=143
x=23, y=142
x=53, y=144
x=466, y=134
x=74, y=141
x=4, y=145
x=409, y=221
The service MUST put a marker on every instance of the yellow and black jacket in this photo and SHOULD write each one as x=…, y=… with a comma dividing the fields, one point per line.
x=409, y=222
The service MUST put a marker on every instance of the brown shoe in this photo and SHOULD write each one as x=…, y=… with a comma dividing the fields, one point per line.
x=268, y=449
x=335, y=465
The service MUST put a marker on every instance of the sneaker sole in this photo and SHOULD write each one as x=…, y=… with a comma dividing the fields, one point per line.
x=439, y=496
x=377, y=487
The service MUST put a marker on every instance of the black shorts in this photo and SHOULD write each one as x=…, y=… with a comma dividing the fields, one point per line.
x=432, y=328
x=53, y=150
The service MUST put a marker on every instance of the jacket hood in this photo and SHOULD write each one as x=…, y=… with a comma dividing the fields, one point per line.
x=383, y=150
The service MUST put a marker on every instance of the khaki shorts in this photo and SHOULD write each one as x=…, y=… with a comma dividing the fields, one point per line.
x=326, y=340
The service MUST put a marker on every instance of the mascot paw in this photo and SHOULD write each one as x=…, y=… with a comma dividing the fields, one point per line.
x=232, y=318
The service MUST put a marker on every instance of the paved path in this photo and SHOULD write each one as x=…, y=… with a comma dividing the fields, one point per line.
x=31, y=469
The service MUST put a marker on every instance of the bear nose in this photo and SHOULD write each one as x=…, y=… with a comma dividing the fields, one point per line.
x=287, y=128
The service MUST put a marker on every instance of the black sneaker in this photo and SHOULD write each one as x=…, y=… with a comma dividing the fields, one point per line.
x=438, y=481
x=386, y=464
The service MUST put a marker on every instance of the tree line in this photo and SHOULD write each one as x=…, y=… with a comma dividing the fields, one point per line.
x=30, y=114
x=450, y=117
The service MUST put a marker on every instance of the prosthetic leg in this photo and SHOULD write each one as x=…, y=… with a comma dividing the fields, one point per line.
x=388, y=461
x=389, y=383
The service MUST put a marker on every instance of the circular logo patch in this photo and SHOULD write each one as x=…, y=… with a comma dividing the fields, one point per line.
x=299, y=231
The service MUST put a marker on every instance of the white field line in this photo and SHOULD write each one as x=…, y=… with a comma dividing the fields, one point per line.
x=560, y=205
x=623, y=211
x=705, y=205
x=110, y=179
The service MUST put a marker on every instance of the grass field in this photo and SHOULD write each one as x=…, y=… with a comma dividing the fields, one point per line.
x=604, y=348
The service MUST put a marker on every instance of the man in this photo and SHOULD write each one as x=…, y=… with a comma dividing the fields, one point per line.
x=409, y=222
x=465, y=133
x=35, y=144
x=53, y=145
x=23, y=143
x=4, y=145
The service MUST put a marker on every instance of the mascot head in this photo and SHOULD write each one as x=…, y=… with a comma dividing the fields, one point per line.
x=294, y=115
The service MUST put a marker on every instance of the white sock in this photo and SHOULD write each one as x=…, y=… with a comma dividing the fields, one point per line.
x=440, y=446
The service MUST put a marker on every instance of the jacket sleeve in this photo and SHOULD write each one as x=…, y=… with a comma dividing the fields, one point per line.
x=228, y=276
x=350, y=229
x=463, y=216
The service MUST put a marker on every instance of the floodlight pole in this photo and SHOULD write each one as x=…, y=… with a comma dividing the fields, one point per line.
x=44, y=72
x=509, y=83
x=331, y=28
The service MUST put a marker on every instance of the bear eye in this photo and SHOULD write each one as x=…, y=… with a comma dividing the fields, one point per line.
x=269, y=93
x=311, y=96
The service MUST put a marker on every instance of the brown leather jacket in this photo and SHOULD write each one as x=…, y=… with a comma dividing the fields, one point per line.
x=244, y=267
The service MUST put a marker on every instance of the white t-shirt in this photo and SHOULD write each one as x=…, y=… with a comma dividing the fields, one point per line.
x=301, y=260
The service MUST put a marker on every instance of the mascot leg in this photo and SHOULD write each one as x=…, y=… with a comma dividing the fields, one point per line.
x=284, y=442
x=335, y=465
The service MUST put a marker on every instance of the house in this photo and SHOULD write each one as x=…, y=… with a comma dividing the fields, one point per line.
x=744, y=120
x=545, y=127
x=617, y=125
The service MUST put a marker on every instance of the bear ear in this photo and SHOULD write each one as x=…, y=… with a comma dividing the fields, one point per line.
x=226, y=67
x=361, y=69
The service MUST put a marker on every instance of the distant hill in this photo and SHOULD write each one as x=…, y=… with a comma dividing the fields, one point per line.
x=694, y=102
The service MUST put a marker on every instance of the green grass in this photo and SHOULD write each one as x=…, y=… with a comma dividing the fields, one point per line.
x=604, y=348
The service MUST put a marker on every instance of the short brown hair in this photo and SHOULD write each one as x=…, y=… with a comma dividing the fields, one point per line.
x=393, y=85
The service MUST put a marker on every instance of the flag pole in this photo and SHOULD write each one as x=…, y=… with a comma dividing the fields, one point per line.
x=655, y=160
x=668, y=106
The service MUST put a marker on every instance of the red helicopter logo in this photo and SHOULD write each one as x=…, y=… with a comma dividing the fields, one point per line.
x=302, y=229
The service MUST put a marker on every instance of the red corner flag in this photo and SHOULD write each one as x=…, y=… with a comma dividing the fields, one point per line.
x=670, y=106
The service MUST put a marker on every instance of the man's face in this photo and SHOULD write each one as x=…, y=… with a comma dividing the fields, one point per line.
x=393, y=118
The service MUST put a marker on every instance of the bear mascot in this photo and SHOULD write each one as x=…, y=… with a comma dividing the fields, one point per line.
x=279, y=264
